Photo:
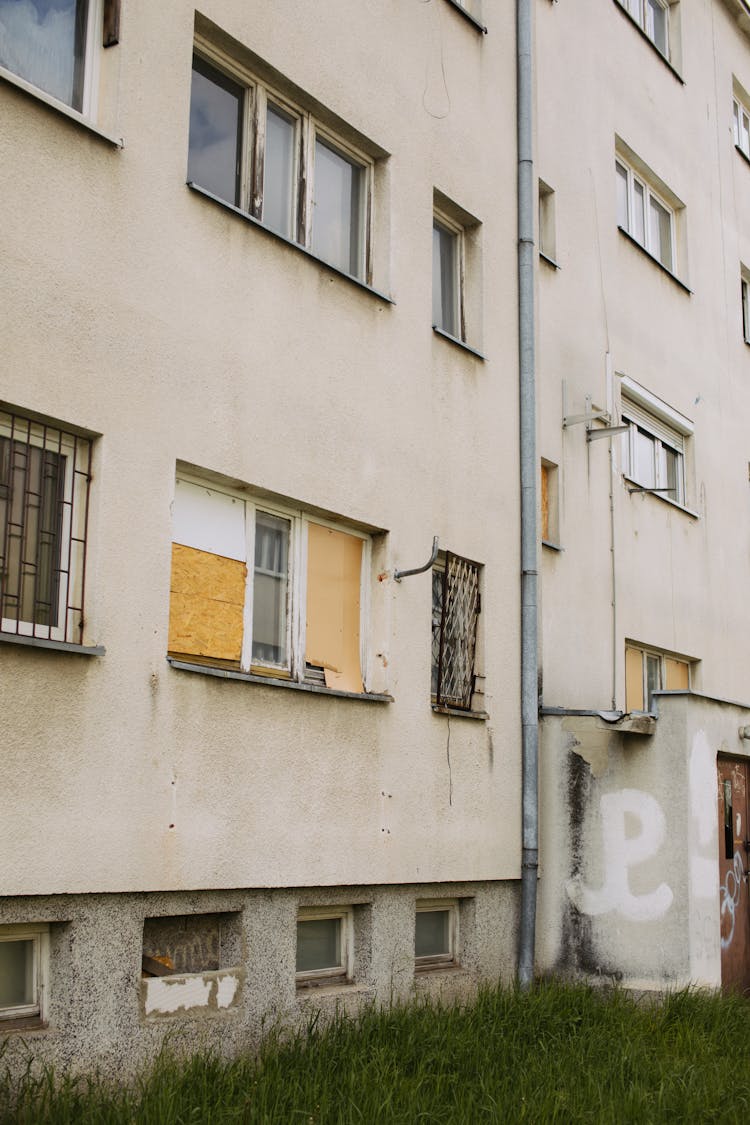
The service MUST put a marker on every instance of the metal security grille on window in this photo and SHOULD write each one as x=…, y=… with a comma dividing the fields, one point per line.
x=455, y=598
x=44, y=488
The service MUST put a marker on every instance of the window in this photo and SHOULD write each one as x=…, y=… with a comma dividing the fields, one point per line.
x=266, y=588
x=547, y=239
x=52, y=45
x=455, y=609
x=549, y=504
x=653, y=17
x=654, y=446
x=647, y=671
x=24, y=952
x=44, y=490
x=742, y=127
x=436, y=934
x=645, y=216
x=324, y=947
x=745, y=298
x=252, y=147
x=447, y=252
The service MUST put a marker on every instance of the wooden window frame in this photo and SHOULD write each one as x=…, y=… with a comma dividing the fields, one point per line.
x=251, y=155
x=449, y=959
x=343, y=971
x=39, y=935
x=295, y=667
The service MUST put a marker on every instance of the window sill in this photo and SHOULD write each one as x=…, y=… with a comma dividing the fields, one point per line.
x=660, y=496
x=552, y=546
x=550, y=261
x=652, y=258
x=459, y=343
x=438, y=967
x=57, y=646
x=273, y=682
x=457, y=713
x=675, y=73
x=743, y=154
x=468, y=16
x=306, y=995
x=23, y=1024
x=290, y=242
x=59, y=107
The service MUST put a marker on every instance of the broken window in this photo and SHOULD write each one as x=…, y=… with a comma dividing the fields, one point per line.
x=190, y=943
x=44, y=490
x=455, y=609
x=297, y=612
x=647, y=671
x=23, y=971
x=251, y=146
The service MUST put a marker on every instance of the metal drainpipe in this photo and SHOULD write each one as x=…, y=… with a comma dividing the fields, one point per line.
x=528, y=472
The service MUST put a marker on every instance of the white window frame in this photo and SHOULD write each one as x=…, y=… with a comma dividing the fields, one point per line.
x=457, y=232
x=745, y=296
x=641, y=13
x=633, y=178
x=91, y=63
x=75, y=488
x=39, y=936
x=655, y=654
x=665, y=426
x=450, y=957
x=343, y=972
x=254, y=106
x=741, y=126
x=295, y=666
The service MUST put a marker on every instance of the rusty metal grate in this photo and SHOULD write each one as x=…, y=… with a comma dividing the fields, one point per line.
x=455, y=608
x=45, y=474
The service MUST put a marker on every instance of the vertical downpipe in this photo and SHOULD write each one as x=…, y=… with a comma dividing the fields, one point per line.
x=528, y=471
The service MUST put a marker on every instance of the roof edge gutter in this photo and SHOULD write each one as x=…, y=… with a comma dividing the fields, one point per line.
x=528, y=481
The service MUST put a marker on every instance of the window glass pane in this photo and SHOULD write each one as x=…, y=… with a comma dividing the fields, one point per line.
x=745, y=133
x=30, y=507
x=653, y=675
x=318, y=944
x=444, y=281
x=622, y=197
x=337, y=210
x=669, y=475
x=746, y=310
x=639, y=225
x=270, y=588
x=432, y=933
x=736, y=122
x=16, y=973
x=278, y=171
x=661, y=233
x=44, y=41
x=656, y=24
x=644, y=469
x=215, y=123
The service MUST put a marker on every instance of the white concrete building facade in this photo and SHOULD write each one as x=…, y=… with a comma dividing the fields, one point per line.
x=260, y=508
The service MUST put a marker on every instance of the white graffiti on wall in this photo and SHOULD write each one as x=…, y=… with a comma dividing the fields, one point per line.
x=621, y=851
x=731, y=889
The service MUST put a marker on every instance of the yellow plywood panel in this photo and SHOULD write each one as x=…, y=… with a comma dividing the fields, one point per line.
x=206, y=605
x=677, y=675
x=634, y=680
x=334, y=567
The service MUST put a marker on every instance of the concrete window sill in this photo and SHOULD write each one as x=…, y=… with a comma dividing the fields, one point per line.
x=274, y=682
x=56, y=646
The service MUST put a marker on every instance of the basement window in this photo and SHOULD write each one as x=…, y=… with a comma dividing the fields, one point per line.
x=267, y=588
x=324, y=947
x=191, y=961
x=24, y=955
x=436, y=934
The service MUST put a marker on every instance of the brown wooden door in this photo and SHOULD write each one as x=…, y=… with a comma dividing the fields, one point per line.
x=734, y=861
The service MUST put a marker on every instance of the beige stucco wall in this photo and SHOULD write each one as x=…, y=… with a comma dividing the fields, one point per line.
x=143, y=313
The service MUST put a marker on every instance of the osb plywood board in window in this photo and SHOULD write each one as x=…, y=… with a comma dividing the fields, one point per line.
x=206, y=606
x=334, y=567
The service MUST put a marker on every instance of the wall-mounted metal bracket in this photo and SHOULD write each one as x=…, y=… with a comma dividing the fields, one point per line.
x=589, y=416
x=640, y=488
x=605, y=431
x=399, y=574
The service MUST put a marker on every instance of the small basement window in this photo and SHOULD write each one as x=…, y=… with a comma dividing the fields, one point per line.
x=191, y=943
x=436, y=934
x=324, y=947
x=24, y=953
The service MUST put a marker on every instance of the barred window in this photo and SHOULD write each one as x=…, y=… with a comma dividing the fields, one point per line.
x=44, y=491
x=455, y=608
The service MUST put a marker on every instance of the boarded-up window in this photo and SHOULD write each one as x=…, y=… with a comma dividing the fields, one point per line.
x=647, y=672
x=677, y=674
x=334, y=569
x=634, y=679
x=545, y=501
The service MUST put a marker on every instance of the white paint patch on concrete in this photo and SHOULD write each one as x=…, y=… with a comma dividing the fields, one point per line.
x=623, y=850
x=226, y=990
x=703, y=918
x=166, y=995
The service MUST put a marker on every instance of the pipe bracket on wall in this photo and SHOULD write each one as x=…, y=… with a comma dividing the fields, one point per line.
x=399, y=574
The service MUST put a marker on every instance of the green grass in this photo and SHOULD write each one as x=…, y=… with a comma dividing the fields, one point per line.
x=558, y=1054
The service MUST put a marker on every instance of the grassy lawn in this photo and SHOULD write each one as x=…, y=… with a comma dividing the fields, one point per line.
x=559, y=1054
